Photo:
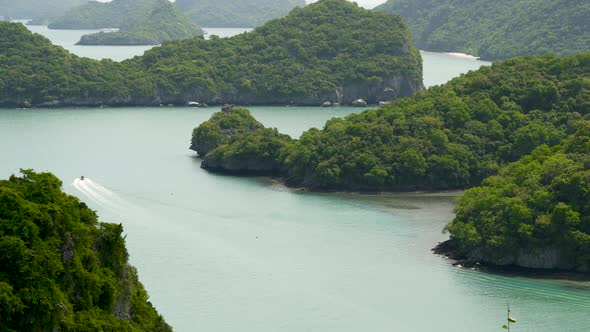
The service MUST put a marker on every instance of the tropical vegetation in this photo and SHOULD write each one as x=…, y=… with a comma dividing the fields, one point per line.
x=143, y=22
x=451, y=137
x=331, y=50
x=60, y=268
x=537, y=206
x=497, y=29
x=101, y=15
x=236, y=14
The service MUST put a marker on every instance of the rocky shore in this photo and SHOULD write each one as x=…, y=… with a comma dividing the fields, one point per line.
x=357, y=95
x=545, y=264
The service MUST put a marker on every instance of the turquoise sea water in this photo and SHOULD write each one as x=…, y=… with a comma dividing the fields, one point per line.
x=220, y=253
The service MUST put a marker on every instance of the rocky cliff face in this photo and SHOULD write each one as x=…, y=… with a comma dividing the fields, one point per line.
x=248, y=165
x=389, y=89
x=550, y=258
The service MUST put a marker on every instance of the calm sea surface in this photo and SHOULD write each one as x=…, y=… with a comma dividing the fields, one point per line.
x=220, y=253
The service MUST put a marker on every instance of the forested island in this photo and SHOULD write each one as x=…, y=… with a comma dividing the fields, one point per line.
x=140, y=22
x=497, y=29
x=453, y=136
x=535, y=213
x=164, y=22
x=60, y=268
x=36, y=9
x=236, y=14
x=331, y=51
x=101, y=15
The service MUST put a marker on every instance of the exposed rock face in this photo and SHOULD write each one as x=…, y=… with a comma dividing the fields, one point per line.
x=549, y=258
x=359, y=103
x=390, y=89
x=254, y=165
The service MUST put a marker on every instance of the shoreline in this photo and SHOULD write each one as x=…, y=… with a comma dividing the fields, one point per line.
x=444, y=249
x=439, y=249
x=280, y=183
x=19, y=106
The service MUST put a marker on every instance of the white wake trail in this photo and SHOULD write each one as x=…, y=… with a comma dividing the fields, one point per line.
x=100, y=195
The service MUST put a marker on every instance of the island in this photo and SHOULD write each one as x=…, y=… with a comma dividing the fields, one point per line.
x=139, y=22
x=496, y=30
x=165, y=22
x=60, y=268
x=534, y=214
x=236, y=14
x=520, y=129
x=331, y=51
x=103, y=15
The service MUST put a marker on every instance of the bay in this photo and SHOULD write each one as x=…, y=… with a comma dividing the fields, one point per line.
x=222, y=253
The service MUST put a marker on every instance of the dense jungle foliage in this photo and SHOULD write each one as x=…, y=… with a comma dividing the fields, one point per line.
x=302, y=58
x=537, y=203
x=451, y=137
x=165, y=22
x=230, y=121
x=236, y=14
x=233, y=141
x=36, y=9
x=61, y=269
x=497, y=29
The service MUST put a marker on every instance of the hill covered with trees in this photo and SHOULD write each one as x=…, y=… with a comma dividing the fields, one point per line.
x=60, y=268
x=535, y=213
x=36, y=9
x=101, y=15
x=236, y=14
x=165, y=22
x=142, y=22
x=451, y=137
x=497, y=29
x=328, y=51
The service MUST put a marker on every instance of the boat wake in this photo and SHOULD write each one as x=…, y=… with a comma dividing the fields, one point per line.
x=463, y=55
x=99, y=194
